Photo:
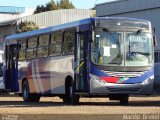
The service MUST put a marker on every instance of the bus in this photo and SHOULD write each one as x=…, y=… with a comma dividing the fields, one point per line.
x=95, y=57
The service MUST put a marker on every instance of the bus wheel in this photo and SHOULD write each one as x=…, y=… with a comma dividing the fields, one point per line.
x=124, y=100
x=27, y=96
x=74, y=99
x=66, y=98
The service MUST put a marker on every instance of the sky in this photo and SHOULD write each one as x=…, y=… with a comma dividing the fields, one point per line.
x=81, y=4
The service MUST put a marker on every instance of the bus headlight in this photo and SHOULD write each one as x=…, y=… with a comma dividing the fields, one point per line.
x=147, y=81
x=97, y=79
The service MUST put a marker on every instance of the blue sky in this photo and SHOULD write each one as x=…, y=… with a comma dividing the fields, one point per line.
x=83, y=4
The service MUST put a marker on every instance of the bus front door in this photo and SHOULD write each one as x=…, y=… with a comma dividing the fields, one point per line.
x=11, y=69
x=81, y=60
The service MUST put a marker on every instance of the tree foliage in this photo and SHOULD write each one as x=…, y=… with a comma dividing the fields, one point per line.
x=65, y=4
x=27, y=26
x=51, y=6
x=62, y=4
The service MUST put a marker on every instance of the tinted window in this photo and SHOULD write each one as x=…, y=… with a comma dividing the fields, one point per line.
x=43, y=40
x=21, y=55
x=68, y=44
x=32, y=42
x=30, y=54
x=42, y=52
x=56, y=38
x=55, y=50
x=55, y=44
x=21, y=49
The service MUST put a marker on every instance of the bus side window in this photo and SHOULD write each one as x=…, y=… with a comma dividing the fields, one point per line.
x=55, y=44
x=21, y=49
x=68, y=43
x=30, y=54
x=32, y=42
x=42, y=50
x=31, y=48
x=43, y=40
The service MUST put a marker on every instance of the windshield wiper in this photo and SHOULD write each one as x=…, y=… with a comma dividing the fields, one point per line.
x=143, y=53
x=138, y=31
x=105, y=30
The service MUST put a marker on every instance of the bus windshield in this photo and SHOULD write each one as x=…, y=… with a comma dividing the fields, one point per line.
x=122, y=48
x=107, y=48
x=138, y=49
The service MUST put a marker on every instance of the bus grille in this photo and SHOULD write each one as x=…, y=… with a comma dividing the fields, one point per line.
x=124, y=74
x=123, y=89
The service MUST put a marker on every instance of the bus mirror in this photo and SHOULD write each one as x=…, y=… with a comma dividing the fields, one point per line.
x=154, y=37
x=154, y=41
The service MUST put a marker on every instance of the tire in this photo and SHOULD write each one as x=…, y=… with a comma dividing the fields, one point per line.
x=67, y=97
x=75, y=99
x=70, y=97
x=124, y=101
x=27, y=96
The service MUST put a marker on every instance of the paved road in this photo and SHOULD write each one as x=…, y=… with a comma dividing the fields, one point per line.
x=14, y=107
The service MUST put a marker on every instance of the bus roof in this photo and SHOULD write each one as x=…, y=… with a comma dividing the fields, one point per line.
x=64, y=26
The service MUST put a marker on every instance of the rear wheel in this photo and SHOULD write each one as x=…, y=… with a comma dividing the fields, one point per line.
x=27, y=96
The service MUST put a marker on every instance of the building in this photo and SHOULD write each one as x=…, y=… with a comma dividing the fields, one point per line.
x=56, y=17
x=11, y=12
x=143, y=9
x=9, y=15
x=7, y=28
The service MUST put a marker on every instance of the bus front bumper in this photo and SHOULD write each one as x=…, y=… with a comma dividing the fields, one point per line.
x=100, y=87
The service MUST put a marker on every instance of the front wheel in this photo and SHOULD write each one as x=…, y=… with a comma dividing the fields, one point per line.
x=27, y=96
x=67, y=97
x=124, y=101
x=70, y=96
x=75, y=99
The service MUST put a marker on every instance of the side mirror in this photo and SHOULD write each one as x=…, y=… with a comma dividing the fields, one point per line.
x=154, y=37
x=154, y=41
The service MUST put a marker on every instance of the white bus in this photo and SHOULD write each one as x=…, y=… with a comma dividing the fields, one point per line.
x=94, y=57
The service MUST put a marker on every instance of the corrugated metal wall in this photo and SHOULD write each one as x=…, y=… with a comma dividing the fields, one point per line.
x=122, y=6
x=143, y=9
x=56, y=17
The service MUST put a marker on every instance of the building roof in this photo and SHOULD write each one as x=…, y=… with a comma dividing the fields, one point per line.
x=12, y=9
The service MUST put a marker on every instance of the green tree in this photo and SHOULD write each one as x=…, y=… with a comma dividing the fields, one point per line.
x=26, y=26
x=62, y=4
x=65, y=4
x=51, y=6
x=39, y=9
